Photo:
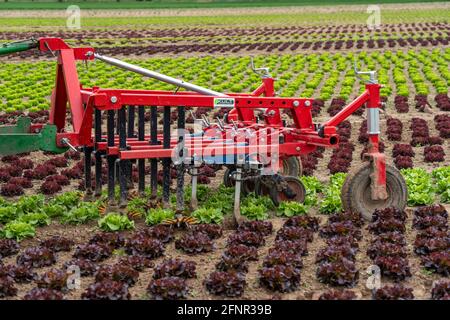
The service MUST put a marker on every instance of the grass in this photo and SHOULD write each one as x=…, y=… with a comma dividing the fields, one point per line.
x=176, y=4
x=388, y=16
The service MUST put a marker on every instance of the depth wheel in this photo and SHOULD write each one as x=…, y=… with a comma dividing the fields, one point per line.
x=291, y=166
x=227, y=181
x=247, y=186
x=356, y=193
x=296, y=187
x=261, y=189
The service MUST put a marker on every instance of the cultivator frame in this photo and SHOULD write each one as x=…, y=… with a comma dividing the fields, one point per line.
x=122, y=143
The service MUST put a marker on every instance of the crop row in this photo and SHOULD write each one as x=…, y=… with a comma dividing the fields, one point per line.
x=28, y=85
x=438, y=28
x=432, y=240
x=217, y=39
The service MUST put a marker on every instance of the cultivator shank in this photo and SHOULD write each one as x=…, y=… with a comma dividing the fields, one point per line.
x=251, y=146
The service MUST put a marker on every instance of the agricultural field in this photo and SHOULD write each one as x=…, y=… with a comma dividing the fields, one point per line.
x=311, y=250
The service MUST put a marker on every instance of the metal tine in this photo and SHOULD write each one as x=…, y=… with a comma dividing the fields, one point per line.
x=205, y=123
x=153, y=141
x=131, y=121
x=117, y=125
x=130, y=134
x=166, y=161
x=123, y=164
x=205, y=119
x=97, y=153
x=220, y=124
x=237, y=196
x=141, y=137
x=87, y=170
x=194, y=180
x=180, y=168
x=110, y=158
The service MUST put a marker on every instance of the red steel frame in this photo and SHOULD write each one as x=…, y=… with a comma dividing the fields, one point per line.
x=302, y=138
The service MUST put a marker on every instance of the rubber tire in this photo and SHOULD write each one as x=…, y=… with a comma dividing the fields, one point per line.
x=356, y=196
x=227, y=181
x=261, y=189
x=294, y=183
x=246, y=186
x=292, y=167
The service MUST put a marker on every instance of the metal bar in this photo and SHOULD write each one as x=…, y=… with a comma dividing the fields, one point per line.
x=286, y=149
x=87, y=170
x=180, y=167
x=123, y=164
x=141, y=137
x=98, y=153
x=131, y=121
x=154, y=141
x=237, y=196
x=71, y=86
x=130, y=134
x=111, y=159
x=194, y=180
x=348, y=110
x=157, y=76
x=166, y=161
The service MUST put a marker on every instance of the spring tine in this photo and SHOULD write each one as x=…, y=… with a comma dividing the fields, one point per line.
x=111, y=158
x=87, y=170
x=220, y=124
x=141, y=162
x=131, y=122
x=194, y=202
x=123, y=165
x=180, y=168
x=206, y=121
x=153, y=141
x=117, y=122
x=131, y=134
x=166, y=161
x=98, y=155
x=117, y=168
x=237, y=196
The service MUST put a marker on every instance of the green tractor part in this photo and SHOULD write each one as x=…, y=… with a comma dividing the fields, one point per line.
x=18, y=46
x=16, y=139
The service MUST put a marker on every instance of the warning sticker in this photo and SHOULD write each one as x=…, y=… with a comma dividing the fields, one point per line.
x=223, y=102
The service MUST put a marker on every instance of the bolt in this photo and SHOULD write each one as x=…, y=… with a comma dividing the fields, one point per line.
x=297, y=149
x=307, y=103
x=113, y=99
x=296, y=103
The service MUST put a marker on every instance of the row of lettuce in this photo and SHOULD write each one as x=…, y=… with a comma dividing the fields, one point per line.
x=19, y=219
x=26, y=85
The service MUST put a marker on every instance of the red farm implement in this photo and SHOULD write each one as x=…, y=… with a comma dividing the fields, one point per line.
x=260, y=152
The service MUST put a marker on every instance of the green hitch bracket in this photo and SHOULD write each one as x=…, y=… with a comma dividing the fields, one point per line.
x=18, y=138
x=18, y=46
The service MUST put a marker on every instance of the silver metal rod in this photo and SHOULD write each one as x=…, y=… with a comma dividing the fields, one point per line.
x=157, y=76
x=194, y=201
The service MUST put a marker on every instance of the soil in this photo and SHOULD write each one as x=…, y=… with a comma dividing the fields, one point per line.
x=310, y=287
